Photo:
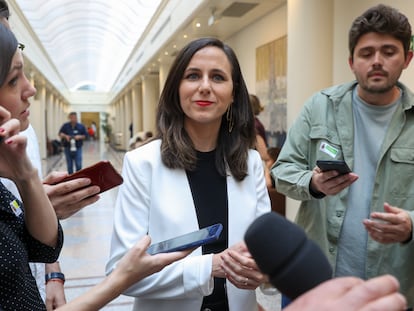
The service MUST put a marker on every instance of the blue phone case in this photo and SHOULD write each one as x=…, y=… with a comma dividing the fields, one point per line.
x=187, y=241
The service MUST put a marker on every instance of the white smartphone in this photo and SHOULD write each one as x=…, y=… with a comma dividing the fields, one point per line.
x=187, y=241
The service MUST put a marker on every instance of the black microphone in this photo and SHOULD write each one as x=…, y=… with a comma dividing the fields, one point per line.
x=281, y=249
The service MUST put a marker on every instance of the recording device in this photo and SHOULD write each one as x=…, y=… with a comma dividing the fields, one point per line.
x=187, y=241
x=329, y=165
x=281, y=249
x=72, y=142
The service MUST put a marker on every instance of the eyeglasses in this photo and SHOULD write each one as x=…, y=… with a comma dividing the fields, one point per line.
x=21, y=46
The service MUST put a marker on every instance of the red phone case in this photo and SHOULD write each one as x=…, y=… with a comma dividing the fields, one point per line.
x=102, y=174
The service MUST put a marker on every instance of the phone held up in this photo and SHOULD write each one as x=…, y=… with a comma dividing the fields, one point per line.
x=329, y=165
x=101, y=174
x=187, y=241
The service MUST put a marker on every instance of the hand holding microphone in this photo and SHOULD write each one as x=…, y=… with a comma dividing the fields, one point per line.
x=352, y=294
x=296, y=267
x=282, y=250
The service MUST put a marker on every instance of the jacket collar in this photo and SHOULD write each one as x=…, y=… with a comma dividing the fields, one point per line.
x=337, y=92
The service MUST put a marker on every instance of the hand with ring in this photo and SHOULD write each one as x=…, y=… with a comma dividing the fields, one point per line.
x=241, y=269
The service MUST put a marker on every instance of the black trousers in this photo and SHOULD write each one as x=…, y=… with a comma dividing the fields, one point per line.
x=217, y=301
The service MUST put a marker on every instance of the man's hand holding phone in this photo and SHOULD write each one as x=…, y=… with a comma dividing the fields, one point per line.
x=331, y=178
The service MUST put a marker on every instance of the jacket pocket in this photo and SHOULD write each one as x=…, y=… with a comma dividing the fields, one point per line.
x=400, y=176
x=402, y=155
x=326, y=143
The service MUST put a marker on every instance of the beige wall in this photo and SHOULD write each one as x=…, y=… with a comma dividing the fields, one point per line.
x=266, y=29
x=274, y=26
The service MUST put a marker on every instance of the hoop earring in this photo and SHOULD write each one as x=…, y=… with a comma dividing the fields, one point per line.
x=229, y=117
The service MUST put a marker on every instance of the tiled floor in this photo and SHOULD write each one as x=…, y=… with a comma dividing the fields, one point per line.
x=88, y=233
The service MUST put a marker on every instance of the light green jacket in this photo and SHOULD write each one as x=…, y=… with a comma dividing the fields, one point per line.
x=327, y=117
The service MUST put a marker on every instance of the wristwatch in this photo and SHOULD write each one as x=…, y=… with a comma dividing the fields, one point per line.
x=54, y=275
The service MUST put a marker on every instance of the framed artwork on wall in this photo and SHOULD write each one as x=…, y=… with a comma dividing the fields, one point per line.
x=271, y=70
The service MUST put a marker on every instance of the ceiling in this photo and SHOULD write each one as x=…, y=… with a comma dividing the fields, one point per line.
x=101, y=45
x=88, y=40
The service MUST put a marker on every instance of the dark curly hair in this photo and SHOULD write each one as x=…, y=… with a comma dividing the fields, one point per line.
x=380, y=19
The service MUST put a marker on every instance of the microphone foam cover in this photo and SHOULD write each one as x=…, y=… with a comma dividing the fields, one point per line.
x=281, y=249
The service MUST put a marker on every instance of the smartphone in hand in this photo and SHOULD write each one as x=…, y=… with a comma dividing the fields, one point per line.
x=329, y=165
x=187, y=241
x=101, y=174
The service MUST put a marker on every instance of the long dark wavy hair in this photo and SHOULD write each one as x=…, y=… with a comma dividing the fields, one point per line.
x=8, y=46
x=177, y=149
x=4, y=9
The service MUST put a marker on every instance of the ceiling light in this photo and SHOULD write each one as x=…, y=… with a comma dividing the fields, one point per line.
x=198, y=25
x=213, y=17
x=211, y=20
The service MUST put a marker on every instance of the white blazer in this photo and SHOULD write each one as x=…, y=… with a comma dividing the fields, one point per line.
x=156, y=200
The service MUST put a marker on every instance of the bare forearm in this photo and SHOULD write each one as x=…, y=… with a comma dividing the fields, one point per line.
x=98, y=296
x=52, y=267
x=40, y=217
x=261, y=148
x=133, y=267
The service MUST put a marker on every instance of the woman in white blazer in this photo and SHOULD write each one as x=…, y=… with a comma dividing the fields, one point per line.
x=198, y=171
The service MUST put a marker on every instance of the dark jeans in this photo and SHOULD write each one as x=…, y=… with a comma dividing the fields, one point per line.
x=73, y=156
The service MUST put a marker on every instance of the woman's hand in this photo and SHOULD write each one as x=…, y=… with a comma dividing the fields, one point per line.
x=239, y=267
x=69, y=197
x=133, y=267
x=14, y=163
x=138, y=264
x=40, y=219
